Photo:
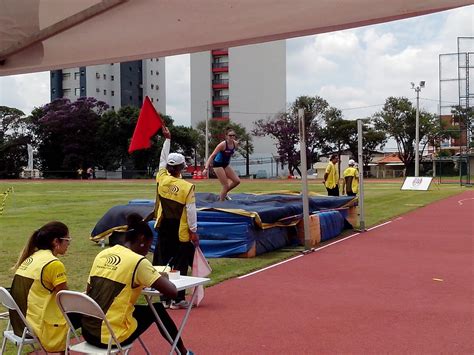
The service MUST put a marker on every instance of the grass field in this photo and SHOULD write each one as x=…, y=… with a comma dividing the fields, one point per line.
x=80, y=204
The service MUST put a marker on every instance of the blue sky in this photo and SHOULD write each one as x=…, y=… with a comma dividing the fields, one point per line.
x=351, y=69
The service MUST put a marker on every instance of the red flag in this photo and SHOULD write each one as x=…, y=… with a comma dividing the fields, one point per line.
x=149, y=122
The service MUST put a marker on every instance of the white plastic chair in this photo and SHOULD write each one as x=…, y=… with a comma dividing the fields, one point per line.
x=77, y=302
x=28, y=337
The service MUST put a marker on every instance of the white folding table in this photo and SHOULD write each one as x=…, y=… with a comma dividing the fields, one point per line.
x=183, y=283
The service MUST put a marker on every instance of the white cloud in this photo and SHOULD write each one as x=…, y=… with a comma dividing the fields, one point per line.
x=178, y=97
x=25, y=91
x=372, y=63
x=336, y=44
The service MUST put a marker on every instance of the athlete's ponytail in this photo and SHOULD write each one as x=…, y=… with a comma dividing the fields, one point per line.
x=42, y=239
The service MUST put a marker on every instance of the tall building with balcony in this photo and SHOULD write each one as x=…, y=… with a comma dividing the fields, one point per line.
x=241, y=84
x=117, y=84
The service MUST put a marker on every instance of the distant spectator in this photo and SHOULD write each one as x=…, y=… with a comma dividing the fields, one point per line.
x=90, y=173
x=331, y=176
x=351, y=179
x=79, y=173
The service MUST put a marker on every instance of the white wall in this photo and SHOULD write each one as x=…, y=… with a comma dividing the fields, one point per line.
x=102, y=87
x=201, y=86
x=70, y=83
x=257, y=87
x=154, y=73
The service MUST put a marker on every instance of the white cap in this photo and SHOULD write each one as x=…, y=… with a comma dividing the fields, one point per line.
x=352, y=162
x=176, y=159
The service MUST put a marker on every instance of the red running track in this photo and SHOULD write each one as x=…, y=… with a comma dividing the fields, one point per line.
x=404, y=287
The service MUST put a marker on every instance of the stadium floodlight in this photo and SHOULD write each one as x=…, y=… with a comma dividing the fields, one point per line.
x=417, y=126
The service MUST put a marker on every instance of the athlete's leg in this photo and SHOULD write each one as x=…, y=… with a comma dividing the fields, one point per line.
x=232, y=176
x=221, y=175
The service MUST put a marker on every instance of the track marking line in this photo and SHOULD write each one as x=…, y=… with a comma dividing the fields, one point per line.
x=312, y=250
x=466, y=199
x=269, y=267
x=380, y=225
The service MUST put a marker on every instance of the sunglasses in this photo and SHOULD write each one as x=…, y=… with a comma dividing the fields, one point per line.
x=67, y=239
x=231, y=135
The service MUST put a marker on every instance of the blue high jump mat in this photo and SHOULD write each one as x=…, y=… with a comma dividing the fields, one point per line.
x=247, y=225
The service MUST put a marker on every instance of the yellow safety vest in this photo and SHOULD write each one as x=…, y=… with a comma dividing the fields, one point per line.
x=355, y=178
x=116, y=280
x=32, y=289
x=173, y=194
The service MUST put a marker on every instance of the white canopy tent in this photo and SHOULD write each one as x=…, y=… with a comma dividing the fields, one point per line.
x=38, y=35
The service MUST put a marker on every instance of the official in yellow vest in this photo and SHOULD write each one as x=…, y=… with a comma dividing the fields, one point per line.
x=351, y=179
x=116, y=280
x=38, y=277
x=176, y=217
x=331, y=176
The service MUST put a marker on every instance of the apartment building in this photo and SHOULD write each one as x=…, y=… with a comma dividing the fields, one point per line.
x=241, y=84
x=117, y=84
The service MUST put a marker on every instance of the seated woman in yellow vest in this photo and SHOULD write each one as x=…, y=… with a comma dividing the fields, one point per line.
x=116, y=280
x=38, y=277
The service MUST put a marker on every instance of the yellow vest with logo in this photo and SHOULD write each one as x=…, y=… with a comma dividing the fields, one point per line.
x=34, y=295
x=172, y=194
x=355, y=178
x=111, y=286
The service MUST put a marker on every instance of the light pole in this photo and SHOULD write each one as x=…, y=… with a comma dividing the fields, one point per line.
x=417, y=126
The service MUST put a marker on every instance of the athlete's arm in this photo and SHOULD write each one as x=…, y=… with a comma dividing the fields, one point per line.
x=220, y=147
x=165, y=151
x=165, y=286
x=236, y=143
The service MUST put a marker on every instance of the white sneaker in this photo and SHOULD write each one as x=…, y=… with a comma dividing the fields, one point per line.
x=179, y=305
x=227, y=197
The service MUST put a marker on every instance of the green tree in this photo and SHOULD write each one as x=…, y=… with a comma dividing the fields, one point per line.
x=465, y=117
x=284, y=128
x=65, y=133
x=14, y=138
x=336, y=132
x=397, y=118
x=115, y=130
x=372, y=140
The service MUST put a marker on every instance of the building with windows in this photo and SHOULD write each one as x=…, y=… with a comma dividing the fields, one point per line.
x=241, y=84
x=117, y=84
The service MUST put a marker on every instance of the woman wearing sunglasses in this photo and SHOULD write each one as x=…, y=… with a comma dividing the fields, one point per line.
x=220, y=160
x=39, y=275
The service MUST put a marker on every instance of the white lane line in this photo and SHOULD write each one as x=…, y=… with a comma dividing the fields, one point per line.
x=312, y=250
x=380, y=225
x=269, y=267
x=466, y=199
